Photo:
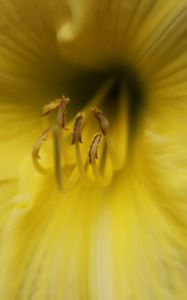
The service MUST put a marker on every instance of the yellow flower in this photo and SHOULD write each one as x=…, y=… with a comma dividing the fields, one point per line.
x=74, y=226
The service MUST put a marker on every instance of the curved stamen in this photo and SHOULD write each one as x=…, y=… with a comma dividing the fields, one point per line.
x=92, y=156
x=45, y=122
x=77, y=130
x=39, y=167
x=61, y=119
x=102, y=120
x=105, y=128
x=36, y=150
x=59, y=144
x=76, y=140
x=62, y=111
x=51, y=106
x=98, y=177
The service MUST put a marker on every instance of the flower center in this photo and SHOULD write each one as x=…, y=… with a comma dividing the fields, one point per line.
x=56, y=129
x=118, y=99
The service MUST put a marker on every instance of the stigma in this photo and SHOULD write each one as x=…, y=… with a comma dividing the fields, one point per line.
x=54, y=131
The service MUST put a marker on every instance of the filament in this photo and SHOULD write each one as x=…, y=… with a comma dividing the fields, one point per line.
x=39, y=167
x=97, y=174
x=57, y=156
x=80, y=164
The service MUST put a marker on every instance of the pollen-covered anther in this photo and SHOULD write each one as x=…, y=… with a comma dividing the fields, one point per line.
x=92, y=154
x=38, y=144
x=62, y=111
x=76, y=140
x=105, y=128
x=102, y=120
x=79, y=120
x=51, y=106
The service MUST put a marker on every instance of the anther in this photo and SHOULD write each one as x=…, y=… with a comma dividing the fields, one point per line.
x=105, y=127
x=62, y=111
x=77, y=138
x=51, y=106
x=92, y=154
x=61, y=120
x=102, y=120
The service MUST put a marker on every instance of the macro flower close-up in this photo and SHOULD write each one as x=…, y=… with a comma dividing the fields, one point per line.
x=93, y=150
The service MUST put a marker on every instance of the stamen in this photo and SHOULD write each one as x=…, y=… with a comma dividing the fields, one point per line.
x=61, y=116
x=36, y=149
x=61, y=119
x=103, y=121
x=39, y=142
x=76, y=140
x=51, y=106
x=77, y=129
x=98, y=177
x=45, y=121
x=60, y=144
x=105, y=127
x=92, y=154
x=57, y=156
x=57, y=138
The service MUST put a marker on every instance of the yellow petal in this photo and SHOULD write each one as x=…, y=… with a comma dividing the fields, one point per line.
x=8, y=190
x=93, y=243
x=137, y=32
x=20, y=123
x=25, y=56
x=161, y=38
x=127, y=240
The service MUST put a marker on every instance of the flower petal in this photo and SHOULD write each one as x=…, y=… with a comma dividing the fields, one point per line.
x=27, y=70
x=136, y=32
x=8, y=191
x=24, y=55
x=20, y=124
x=161, y=38
x=102, y=243
x=109, y=243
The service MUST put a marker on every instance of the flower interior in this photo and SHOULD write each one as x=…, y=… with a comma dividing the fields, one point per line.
x=101, y=133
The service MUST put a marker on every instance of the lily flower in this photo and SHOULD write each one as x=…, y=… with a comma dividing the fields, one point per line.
x=93, y=164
